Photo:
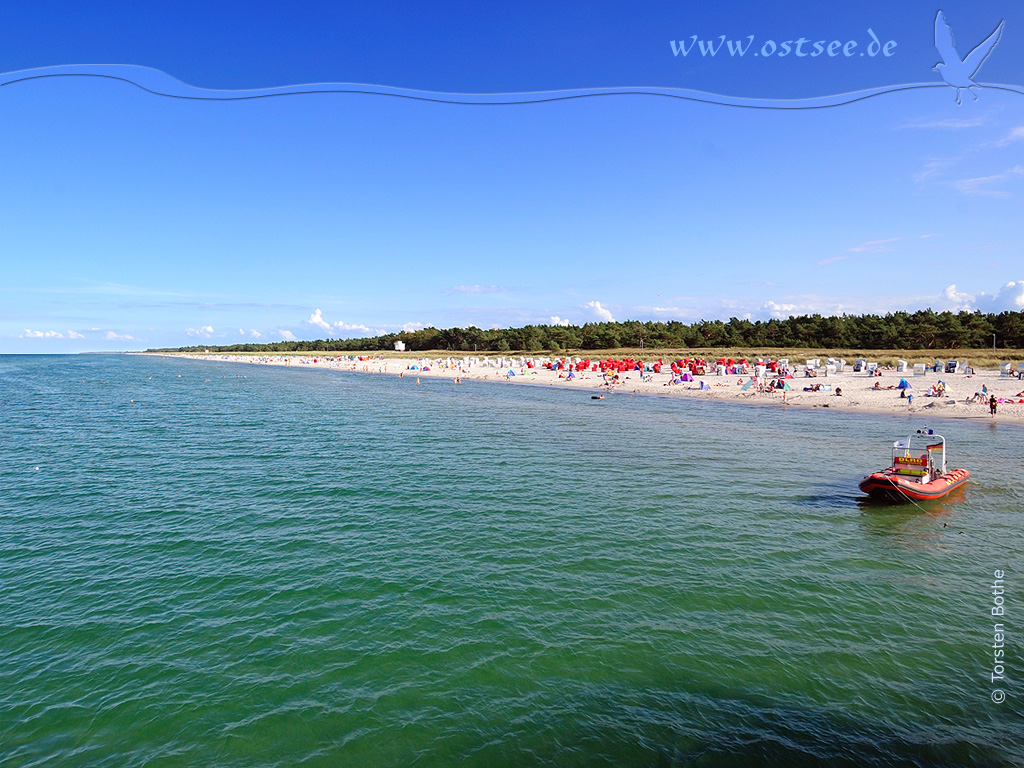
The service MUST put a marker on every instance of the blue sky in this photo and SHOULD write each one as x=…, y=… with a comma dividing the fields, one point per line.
x=131, y=220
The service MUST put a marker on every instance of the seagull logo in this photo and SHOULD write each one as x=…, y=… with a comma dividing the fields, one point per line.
x=957, y=72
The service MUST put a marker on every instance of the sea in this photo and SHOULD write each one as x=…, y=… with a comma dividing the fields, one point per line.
x=214, y=564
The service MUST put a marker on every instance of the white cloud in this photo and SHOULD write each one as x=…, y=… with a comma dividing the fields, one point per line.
x=684, y=313
x=774, y=309
x=558, y=321
x=955, y=299
x=317, y=319
x=888, y=245
x=74, y=335
x=352, y=327
x=832, y=260
x=981, y=185
x=206, y=331
x=255, y=334
x=811, y=304
x=112, y=336
x=476, y=289
x=874, y=246
x=932, y=169
x=953, y=123
x=287, y=335
x=1009, y=298
x=42, y=334
x=601, y=312
x=410, y=327
x=1017, y=134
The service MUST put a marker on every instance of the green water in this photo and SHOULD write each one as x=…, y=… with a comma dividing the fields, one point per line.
x=254, y=566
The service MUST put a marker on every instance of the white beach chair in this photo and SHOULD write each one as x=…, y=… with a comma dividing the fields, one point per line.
x=919, y=369
x=872, y=367
x=901, y=366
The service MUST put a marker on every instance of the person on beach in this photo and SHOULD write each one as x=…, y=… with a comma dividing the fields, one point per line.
x=992, y=403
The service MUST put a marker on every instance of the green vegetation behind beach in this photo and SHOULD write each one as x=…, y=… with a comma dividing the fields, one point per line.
x=921, y=335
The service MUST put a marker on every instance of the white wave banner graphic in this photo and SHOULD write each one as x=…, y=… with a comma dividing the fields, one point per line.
x=160, y=83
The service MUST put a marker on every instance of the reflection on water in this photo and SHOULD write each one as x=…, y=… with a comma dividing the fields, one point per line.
x=922, y=525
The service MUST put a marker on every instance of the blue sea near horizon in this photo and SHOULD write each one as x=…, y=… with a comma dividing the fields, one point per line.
x=206, y=563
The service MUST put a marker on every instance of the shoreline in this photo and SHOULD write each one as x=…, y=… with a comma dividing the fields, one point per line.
x=858, y=392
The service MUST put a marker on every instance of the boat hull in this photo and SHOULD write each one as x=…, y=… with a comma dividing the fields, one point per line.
x=892, y=487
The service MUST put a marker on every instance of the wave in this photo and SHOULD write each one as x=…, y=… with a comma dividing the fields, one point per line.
x=159, y=83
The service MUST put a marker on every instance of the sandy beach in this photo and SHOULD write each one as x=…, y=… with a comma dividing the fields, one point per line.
x=846, y=391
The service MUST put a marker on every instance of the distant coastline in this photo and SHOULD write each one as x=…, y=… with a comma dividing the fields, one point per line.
x=845, y=391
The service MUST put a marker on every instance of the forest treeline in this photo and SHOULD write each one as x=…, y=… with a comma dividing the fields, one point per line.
x=924, y=329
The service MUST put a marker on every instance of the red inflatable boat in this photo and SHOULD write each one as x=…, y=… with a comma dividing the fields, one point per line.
x=918, y=473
